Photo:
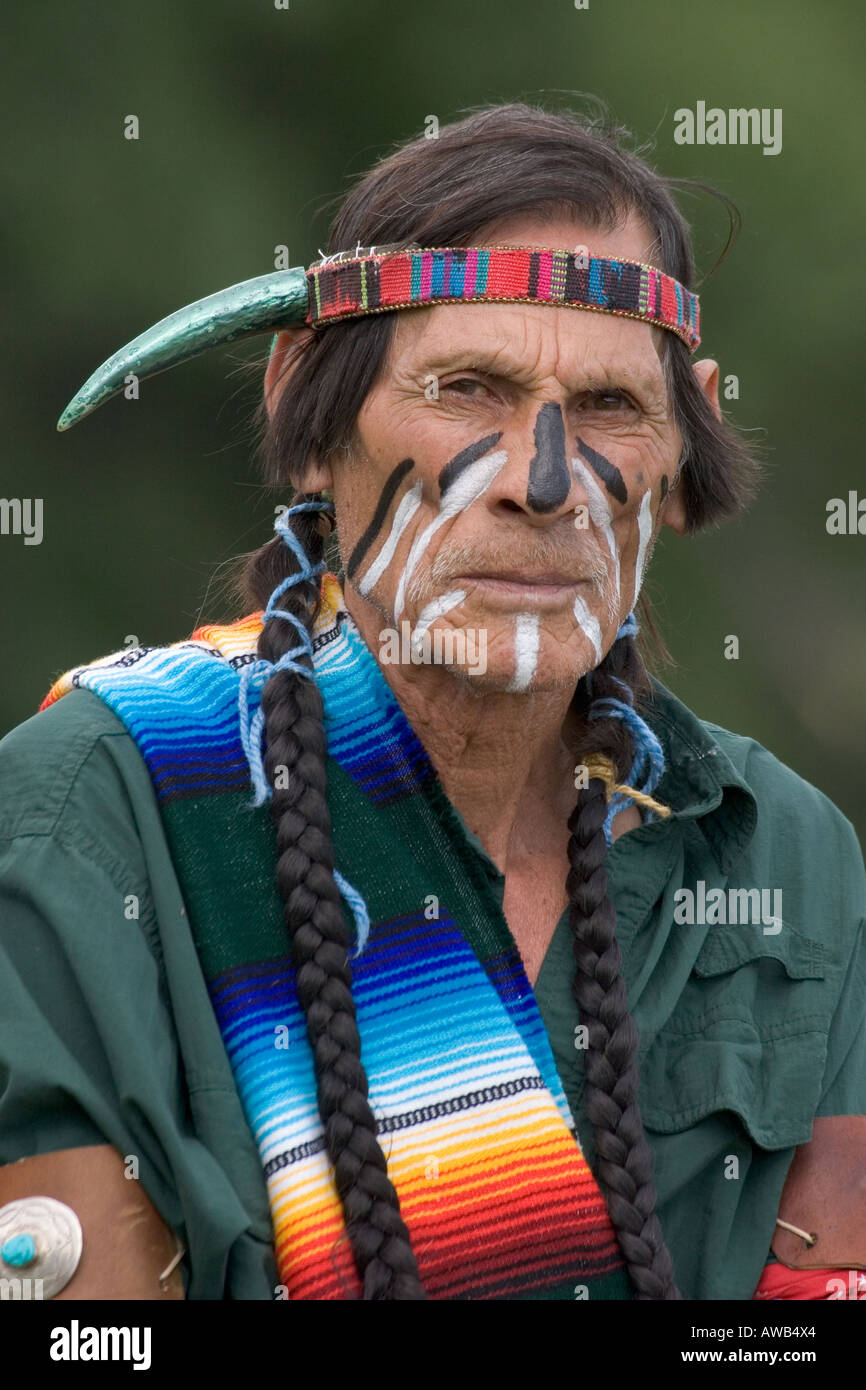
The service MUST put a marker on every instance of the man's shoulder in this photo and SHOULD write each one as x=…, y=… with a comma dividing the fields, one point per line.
x=44, y=758
x=80, y=755
x=742, y=758
x=777, y=786
x=797, y=824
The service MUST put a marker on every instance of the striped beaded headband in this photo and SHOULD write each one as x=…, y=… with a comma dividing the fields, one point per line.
x=371, y=281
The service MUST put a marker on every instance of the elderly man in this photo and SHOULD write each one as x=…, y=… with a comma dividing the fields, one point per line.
x=553, y=1042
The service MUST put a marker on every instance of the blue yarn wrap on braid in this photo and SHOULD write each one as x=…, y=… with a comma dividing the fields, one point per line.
x=256, y=673
x=649, y=760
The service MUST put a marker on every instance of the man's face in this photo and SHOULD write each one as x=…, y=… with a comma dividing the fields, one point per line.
x=512, y=471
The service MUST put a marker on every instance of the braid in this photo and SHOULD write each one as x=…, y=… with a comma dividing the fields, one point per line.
x=624, y=1160
x=295, y=739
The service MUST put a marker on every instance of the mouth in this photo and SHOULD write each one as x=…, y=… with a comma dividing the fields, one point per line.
x=548, y=588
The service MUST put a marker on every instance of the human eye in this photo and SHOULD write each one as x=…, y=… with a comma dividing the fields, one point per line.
x=606, y=402
x=464, y=386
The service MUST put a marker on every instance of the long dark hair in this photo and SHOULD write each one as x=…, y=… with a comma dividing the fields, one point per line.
x=498, y=161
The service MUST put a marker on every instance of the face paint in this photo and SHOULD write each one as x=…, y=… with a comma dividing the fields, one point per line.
x=392, y=483
x=589, y=626
x=451, y=472
x=607, y=471
x=600, y=514
x=473, y=480
x=645, y=527
x=436, y=608
x=525, y=650
x=403, y=515
x=664, y=486
x=549, y=478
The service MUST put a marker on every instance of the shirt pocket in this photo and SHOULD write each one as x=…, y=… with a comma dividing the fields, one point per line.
x=748, y=1035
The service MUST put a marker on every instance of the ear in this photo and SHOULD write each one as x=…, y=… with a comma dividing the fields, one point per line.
x=673, y=509
x=707, y=376
x=280, y=366
x=316, y=476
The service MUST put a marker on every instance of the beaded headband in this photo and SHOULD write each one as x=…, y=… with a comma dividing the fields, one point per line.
x=371, y=281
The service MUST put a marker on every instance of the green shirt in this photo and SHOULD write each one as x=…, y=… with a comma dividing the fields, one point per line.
x=747, y=1031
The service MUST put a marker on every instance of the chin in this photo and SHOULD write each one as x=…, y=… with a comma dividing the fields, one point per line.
x=499, y=678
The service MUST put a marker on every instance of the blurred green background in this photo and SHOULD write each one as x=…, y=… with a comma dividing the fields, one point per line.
x=252, y=119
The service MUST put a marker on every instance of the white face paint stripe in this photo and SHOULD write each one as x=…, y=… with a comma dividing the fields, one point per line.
x=645, y=527
x=462, y=493
x=525, y=650
x=435, y=609
x=403, y=515
x=600, y=513
x=589, y=625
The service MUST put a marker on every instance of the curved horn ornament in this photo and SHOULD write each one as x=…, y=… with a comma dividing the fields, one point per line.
x=265, y=303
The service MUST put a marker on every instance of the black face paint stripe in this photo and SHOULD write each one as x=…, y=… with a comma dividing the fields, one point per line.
x=607, y=471
x=460, y=461
x=549, y=476
x=395, y=478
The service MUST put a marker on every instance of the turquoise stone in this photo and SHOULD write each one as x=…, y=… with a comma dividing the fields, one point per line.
x=18, y=1250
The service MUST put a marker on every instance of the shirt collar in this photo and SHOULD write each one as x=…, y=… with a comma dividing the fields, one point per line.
x=700, y=782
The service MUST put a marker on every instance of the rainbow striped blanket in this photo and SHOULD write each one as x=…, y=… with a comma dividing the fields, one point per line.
x=481, y=1145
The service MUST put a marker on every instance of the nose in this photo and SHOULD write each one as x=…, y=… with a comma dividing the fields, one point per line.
x=549, y=475
x=537, y=479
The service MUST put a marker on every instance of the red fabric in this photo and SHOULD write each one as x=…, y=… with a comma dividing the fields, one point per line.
x=395, y=278
x=511, y=276
x=778, y=1281
x=669, y=298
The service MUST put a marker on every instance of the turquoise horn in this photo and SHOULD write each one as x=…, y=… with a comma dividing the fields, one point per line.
x=268, y=302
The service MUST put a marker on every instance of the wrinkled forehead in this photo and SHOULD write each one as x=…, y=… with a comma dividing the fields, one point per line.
x=527, y=343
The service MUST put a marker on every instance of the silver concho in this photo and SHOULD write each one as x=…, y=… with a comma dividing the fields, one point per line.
x=57, y=1234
